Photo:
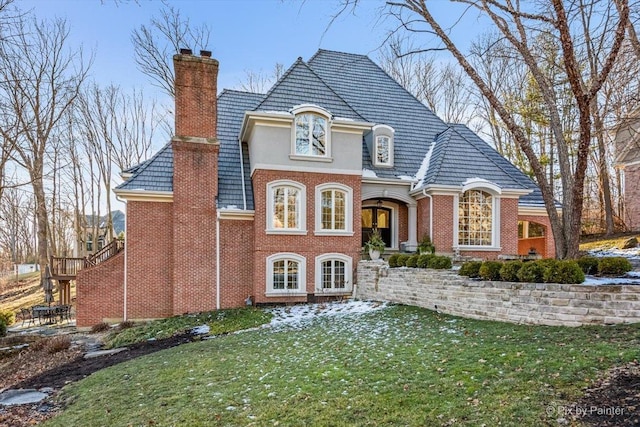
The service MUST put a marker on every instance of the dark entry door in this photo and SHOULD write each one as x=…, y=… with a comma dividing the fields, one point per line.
x=379, y=218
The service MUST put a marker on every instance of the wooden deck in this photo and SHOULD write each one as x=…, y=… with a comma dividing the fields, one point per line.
x=65, y=269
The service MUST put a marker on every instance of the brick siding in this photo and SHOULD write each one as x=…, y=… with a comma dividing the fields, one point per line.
x=236, y=262
x=100, y=292
x=632, y=197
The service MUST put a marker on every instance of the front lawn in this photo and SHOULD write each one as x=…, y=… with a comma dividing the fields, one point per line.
x=395, y=366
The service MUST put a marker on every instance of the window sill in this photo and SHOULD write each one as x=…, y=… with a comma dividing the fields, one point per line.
x=382, y=165
x=288, y=232
x=333, y=293
x=479, y=248
x=285, y=294
x=311, y=158
x=333, y=233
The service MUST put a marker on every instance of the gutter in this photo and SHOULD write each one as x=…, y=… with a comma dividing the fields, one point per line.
x=244, y=190
x=218, y=258
x=126, y=233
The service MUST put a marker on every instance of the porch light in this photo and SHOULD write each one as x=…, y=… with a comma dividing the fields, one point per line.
x=379, y=203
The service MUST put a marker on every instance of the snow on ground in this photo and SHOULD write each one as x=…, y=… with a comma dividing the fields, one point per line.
x=298, y=315
x=633, y=253
x=600, y=281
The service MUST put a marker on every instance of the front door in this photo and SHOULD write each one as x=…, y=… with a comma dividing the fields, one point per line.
x=379, y=218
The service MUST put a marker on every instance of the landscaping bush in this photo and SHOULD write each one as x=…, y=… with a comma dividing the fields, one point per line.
x=57, y=344
x=509, y=271
x=532, y=272
x=566, y=271
x=490, y=270
x=126, y=325
x=402, y=260
x=588, y=264
x=3, y=328
x=550, y=266
x=412, y=261
x=614, y=266
x=439, y=262
x=393, y=260
x=470, y=269
x=8, y=316
x=100, y=327
x=423, y=260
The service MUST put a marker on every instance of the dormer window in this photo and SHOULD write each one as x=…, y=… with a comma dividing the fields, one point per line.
x=382, y=146
x=311, y=138
x=311, y=135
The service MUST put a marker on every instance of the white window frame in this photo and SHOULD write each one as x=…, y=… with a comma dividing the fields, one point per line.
x=317, y=111
x=495, y=220
x=348, y=231
x=301, y=206
x=348, y=272
x=302, y=274
x=380, y=131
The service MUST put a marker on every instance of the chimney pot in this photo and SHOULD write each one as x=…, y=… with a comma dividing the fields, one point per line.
x=186, y=52
x=205, y=53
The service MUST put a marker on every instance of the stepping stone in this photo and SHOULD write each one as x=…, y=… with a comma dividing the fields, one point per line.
x=100, y=353
x=21, y=397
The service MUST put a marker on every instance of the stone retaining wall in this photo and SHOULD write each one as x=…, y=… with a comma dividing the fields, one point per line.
x=530, y=303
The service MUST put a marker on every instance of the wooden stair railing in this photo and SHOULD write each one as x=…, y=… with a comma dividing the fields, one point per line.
x=67, y=268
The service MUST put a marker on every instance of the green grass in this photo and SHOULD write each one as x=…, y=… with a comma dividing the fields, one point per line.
x=397, y=366
x=220, y=322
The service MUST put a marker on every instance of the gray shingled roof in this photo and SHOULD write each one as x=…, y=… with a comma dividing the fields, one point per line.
x=155, y=174
x=231, y=108
x=349, y=86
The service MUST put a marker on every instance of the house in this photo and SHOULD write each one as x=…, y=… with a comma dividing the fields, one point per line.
x=98, y=224
x=268, y=198
x=627, y=144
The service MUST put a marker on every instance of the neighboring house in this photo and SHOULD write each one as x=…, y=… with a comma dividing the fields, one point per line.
x=268, y=198
x=627, y=142
x=86, y=244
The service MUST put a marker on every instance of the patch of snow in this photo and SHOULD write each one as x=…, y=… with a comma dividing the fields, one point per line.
x=406, y=178
x=300, y=314
x=201, y=330
x=343, y=119
x=600, y=281
x=424, y=167
x=633, y=253
x=367, y=173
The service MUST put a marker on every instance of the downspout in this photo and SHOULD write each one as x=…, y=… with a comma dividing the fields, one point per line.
x=126, y=233
x=424, y=193
x=244, y=190
x=218, y=259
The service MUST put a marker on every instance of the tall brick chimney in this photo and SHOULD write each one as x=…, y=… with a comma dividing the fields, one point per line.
x=195, y=182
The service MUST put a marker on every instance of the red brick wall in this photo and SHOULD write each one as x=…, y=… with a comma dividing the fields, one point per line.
x=236, y=262
x=442, y=223
x=149, y=243
x=195, y=186
x=550, y=246
x=196, y=96
x=632, y=197
x=309, y=245
x=403, y=223
x=100, y=292
x=423, y=218
x=509, y=226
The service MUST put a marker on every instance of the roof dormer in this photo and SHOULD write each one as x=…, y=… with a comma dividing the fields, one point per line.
x=381, y=146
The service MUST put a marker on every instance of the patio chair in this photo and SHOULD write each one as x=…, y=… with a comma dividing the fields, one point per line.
x=64, y=311
x=27, y=316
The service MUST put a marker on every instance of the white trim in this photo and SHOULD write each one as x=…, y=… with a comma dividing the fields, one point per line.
x=348, y=273
x=381, y=130
x=145, y=196
x=302, y=274
x=534, y=211
x=310, y=108
x=390, y=193
x=301, y=207
x=387, y=181
x=348, y=221
x=294, y=168
x=217, y=260
x=236, y=214
x=395, y=221
x=244, y=190
x=310, y=158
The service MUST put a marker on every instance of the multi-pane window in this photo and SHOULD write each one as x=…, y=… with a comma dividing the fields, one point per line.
x=286, y=275
x=311, y=135
x=334, y=276
x=333, y=204
x=383, y=148
x=286, y=208
x=475, y=218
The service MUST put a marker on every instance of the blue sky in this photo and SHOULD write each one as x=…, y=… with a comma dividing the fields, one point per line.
x=245, y=34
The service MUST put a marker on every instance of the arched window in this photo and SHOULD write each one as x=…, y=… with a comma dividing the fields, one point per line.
x=311, y=135
x=333, y=273
x=286, y=274
x=286, y=206
x=476, y=218
x=382, y=145
x=334, y=209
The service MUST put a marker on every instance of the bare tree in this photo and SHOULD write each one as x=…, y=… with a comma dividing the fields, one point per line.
x=260, y=82
x=154, y=45
x=40, y=79
x=518, y=27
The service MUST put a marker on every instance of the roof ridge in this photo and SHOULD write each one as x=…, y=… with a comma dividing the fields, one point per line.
x=225, y=90
x=439, y=159
x=279, y=82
